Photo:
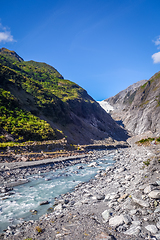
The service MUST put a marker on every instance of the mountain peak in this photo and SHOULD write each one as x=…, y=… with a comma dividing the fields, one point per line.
x=9, y=53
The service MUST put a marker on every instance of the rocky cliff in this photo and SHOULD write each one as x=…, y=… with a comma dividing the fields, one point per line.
x=138, y=107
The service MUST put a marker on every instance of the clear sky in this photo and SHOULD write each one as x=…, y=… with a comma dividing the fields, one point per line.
x=102, y=45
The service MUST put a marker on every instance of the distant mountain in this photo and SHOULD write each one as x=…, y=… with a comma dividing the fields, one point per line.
x=119, y=100
x=37, y=103
x=138, y=106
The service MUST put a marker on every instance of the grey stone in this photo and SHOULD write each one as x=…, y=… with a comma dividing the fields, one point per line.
x=44, y=203
x=133, y=230
x=155, y=194
x=152, y=228
x=157, y=210
x=148, y=189
x=116, y=221
x=106, y=215
x=157, y=236
x=158, y=225
x=127, y=219
x=59, y=207
x=140, y=202
x=100, y=197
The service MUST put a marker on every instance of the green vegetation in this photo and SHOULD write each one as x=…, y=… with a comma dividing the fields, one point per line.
x=29, y=90
x=35, y=98
x=19, y=122
x=39, y=230
x=143, y=86
x=147, y=162
x=146, y=140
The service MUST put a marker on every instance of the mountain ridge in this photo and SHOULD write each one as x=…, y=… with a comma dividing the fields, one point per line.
x=39, y=93
x=139, y=109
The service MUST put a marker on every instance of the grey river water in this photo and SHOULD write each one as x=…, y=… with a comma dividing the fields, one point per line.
x=16, y=207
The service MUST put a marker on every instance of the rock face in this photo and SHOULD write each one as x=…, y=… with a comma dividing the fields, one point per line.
x=138, y=106
x=41, y=90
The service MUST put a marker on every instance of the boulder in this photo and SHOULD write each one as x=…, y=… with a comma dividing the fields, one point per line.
x=155, y=194
x=106, y=215
x=152, y=228
x=142, y=203
x=116, y=221
x=44, y=203
x=133, y=230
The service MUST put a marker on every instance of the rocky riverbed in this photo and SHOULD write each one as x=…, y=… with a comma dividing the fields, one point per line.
x=122, y=202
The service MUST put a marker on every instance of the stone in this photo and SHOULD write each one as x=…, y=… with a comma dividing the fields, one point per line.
x=80, y=167
x=133, y=230
x=106, y=215
x=148, y=189
x=44, y=203
x=140, y=202
x=100, y=197
x=104, y=236
x=116, y=221
x=34, y=212
x=59, y=207
x=158, y=225
x=152, y=228
x=155, y=194
x=157, y=236
x=123, y=197
x=127, y=219
x=136, y=223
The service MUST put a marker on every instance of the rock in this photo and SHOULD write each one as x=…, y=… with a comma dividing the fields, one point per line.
x=66, y=201
x=48, y=179
x=80, y=167
x=24, y=159
x=123, y=197
x=104, y=236
x=50, y=210
x=154, y=194
x=116, y=221
x=44, y=203
x=136, y=223
x=157, y=210
x=34, y=212
x=148, y=189
x=152, y=228
x=106, y=215
x=127, y=219
x=140, y=202
x=157, y=236
x=100, y=197
x=59, y=207
x=158, y=225
x=133, y=230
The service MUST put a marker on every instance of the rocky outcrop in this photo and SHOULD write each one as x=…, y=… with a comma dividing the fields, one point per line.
x=138, y=107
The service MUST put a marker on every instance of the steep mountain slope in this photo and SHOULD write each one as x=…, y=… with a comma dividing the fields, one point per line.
x=119, y=100
x=139, y=109
x=38, y=103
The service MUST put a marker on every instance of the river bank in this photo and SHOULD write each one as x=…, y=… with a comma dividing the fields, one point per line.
x=121, y=202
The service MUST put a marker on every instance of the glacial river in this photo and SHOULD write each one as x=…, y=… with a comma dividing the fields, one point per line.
x=16, y=207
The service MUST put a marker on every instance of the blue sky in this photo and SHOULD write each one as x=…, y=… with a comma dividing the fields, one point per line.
x=102, y=45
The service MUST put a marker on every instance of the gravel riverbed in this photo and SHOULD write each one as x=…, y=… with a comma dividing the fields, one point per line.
x=122, y=202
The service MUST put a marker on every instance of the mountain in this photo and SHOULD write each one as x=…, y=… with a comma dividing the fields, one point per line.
x=37, y=103
x=138, y=107
x=119, y=100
